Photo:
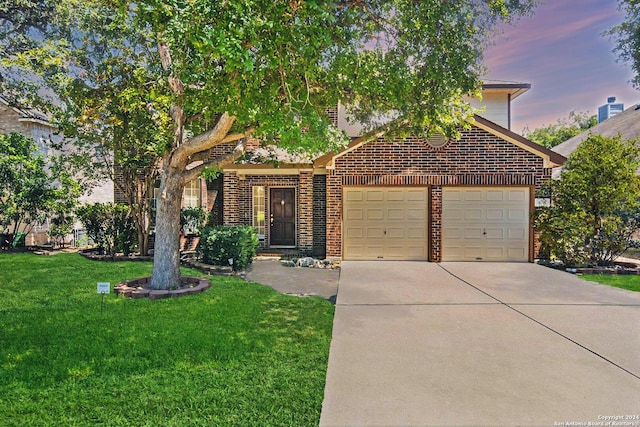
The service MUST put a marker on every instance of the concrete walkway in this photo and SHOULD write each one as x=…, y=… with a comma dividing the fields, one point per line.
x=501, y=344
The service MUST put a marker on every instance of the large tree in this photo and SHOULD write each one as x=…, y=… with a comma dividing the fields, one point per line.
x=227, y=69
x=32, y=189
x=627, y=36
x=554, y=134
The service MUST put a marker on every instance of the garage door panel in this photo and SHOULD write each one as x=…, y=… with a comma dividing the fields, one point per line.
x=495, y=196
x=472, y=233
x=472, y=214
x=417, y=195
x=517, y=215
x=395, y=195
x=472, y=195
x=494, y=233
x=374, y=196
x=494, y=224
x=416, y=233
x=453, y=214
x=395, y=233
x=519, y=195
x=495, y=214
x=355, y=214
x=374, y=214
x=374, y=233
x=354, y=232
x=395, y=214
x=393, y=223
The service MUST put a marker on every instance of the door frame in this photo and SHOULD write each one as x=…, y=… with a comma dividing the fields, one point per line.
x=295, y=215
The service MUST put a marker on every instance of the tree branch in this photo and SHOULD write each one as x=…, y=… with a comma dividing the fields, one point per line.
x=204, y=141
x=191, y=174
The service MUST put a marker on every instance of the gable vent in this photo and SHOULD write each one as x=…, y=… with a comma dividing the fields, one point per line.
x=437, y=140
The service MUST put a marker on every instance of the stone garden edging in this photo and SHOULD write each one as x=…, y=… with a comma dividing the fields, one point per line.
x=137, y=288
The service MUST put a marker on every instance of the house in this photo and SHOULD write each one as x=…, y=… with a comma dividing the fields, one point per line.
x=626, y=124
x=33, y=124
x=430, y=200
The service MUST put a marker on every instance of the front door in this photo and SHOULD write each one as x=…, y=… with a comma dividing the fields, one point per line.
x=283, y=217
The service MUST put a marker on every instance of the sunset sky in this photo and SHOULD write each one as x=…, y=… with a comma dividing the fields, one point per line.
x=561, y=51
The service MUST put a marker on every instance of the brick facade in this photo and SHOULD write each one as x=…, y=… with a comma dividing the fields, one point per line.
x=238, y=205
x=479, y=158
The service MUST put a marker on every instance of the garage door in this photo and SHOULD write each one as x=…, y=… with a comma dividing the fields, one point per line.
x=485, y=224
x=385, y=223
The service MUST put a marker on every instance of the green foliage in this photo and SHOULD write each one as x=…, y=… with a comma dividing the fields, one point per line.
x=219, y=244
x=595, y=205
x=110, y=226
x=551, y=135
x=239, y=354
x=31, y=191
x=193, y=219
x=627, y=36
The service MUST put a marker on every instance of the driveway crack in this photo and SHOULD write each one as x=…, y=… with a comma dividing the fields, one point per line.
x=511, y=307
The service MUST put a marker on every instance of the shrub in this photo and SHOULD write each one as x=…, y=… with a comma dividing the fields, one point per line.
x=220, y=244
x=110, y=226
x=193, y=219
x=595, y=205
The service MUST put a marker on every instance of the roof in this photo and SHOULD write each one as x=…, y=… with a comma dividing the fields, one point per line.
x=626, y=124
x=515, y=89
x=27, y=114
x=551, y=158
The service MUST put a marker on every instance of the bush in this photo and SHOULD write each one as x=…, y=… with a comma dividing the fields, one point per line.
x=192, y=219
x=110, y=226
x=220, y=244
x=595, y=205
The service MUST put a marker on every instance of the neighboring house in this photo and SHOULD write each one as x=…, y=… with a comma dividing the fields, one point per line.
x=626, y=124
x=35, y=125
x=432, y=200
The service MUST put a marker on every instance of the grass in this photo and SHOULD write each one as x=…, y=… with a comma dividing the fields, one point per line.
x=623, y=281
x=239, y=354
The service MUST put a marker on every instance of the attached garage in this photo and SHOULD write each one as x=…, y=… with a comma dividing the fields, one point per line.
x=385, y=223
x=485, y=223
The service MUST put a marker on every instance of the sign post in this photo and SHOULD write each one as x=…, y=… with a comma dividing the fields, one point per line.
x=103, y=289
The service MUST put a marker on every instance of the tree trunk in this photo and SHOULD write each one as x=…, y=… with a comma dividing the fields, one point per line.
x=166, y=253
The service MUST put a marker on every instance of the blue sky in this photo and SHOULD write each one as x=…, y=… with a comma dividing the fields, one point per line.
x=561, y=51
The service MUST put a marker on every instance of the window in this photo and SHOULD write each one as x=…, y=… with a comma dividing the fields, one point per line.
x=258, y=211
x=191, y=194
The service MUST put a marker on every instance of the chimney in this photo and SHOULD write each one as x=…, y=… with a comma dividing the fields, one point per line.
x=610, y=109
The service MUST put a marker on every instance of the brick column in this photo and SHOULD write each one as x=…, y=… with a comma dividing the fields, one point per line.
x=436, y=223
x=305, y=212
x=231, y=208
x=334, y=215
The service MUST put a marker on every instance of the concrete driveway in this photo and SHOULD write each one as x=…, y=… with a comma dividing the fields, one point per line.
x=502, y=344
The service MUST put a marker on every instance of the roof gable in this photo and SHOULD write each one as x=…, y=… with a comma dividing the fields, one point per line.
x=551, y=159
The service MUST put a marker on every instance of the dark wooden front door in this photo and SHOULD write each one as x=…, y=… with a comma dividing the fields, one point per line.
x=283, y=217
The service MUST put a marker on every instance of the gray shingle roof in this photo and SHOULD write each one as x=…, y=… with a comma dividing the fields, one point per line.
x=626, y=123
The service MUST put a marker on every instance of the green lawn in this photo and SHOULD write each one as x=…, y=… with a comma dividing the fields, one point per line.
x=239, y=354
x=624, y=281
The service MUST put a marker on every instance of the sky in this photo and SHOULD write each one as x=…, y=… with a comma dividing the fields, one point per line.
x=561, y=52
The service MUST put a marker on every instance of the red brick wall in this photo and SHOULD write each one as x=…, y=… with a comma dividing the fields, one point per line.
x=239, y=197
x=478, y=158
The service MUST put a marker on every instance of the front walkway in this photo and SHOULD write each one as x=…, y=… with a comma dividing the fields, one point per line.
x=418, y=344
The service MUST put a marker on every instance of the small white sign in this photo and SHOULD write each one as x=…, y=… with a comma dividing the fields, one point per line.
x=104, y=287
x=542, y=202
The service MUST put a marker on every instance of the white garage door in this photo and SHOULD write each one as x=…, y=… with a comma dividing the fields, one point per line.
x=385, y=223
x=485, y=224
